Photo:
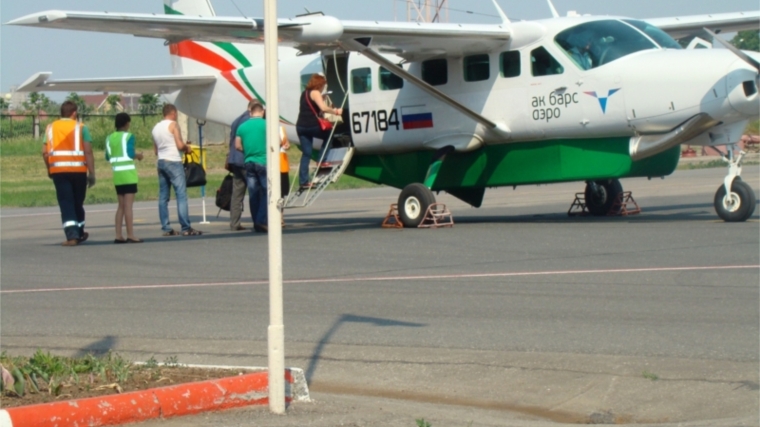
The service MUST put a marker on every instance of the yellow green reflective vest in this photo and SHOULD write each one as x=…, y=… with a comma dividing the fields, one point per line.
x=124, y=171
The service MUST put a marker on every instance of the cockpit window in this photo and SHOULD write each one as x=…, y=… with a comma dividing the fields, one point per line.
x=655, y=33
x=596, y=43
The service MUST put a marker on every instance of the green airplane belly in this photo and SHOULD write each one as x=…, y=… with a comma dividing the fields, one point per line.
x=539, y=162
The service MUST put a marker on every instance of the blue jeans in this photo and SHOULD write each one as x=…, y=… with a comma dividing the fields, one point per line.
x=172, y=173
x=256, y=179
x=306, y=139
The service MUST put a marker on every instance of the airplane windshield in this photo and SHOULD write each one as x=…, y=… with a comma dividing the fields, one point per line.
x=661, y=37
x=597, y=43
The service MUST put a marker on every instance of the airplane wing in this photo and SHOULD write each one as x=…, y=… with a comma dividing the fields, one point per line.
x=679, y=27
x=158, y=84
x=309, y=33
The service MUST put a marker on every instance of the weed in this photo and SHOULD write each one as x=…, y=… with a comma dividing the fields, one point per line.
x=171, y=361
x=650, y=376
x=49, y=373
x=151, y=363
x=422, y=423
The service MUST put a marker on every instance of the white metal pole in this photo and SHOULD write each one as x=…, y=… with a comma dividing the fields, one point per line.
x=276, y=331
x=203, y=165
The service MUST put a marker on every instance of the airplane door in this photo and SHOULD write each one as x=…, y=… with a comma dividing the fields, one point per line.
x=336, y=73
x=375, y=119
x=554, y=98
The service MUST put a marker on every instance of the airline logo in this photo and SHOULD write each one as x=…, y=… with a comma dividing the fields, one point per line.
x=416, y=117
x=603, y=100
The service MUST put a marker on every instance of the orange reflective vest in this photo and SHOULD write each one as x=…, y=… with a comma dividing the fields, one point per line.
x=284, y=166
x=65, y=147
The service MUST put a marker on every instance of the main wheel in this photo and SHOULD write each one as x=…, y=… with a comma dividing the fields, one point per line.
x=601, y=197
x=413, y=203
x=737, y=206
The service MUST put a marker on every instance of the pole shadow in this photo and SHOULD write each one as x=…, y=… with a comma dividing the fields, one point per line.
x=350, y=318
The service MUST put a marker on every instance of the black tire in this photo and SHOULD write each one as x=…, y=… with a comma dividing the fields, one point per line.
x=739, y=206
x=601, y=202
x=413, y=203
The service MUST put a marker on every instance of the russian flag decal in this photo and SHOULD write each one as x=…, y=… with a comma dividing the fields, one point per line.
x=416, y=117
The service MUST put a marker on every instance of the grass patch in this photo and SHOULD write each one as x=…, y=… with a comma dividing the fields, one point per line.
x=650, y=376
x=24, y=181
x=45, y=378
x=718, y=163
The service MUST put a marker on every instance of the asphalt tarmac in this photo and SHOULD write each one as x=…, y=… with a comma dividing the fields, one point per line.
x=519, y=312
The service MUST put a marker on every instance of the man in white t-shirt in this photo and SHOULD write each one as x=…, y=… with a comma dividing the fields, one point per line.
x=167, y=144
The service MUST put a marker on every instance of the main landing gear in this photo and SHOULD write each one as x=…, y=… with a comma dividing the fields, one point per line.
x=413, y=204
x=735, y=200
x=600, y=197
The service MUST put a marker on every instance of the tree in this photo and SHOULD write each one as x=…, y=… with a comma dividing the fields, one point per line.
x=82, y=107
x=148, y=103
x=35, y=103
x=747, y=40
x=113, y=102
x=4, y=104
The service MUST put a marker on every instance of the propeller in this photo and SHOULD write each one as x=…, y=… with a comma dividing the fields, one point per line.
x=746, y=58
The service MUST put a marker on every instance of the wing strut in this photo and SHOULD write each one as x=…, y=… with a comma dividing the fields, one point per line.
x=356, y=46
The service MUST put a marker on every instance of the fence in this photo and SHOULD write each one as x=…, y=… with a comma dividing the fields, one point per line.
x=30, y=126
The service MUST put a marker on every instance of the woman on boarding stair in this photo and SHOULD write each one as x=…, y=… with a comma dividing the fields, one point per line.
x=312, y=105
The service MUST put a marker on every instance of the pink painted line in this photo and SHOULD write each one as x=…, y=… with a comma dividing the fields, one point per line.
x=388, y=278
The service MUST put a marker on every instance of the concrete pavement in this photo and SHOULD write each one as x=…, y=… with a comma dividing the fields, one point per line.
x=517, y=313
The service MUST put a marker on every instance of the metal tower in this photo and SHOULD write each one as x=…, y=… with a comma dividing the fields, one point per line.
x=425, y=10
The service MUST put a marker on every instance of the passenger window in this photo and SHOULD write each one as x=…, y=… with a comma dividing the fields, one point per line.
x=361, y=80
x=510, y=64
x=544, y=64
x=477, y=68
x=390, y=81
x=435, y=72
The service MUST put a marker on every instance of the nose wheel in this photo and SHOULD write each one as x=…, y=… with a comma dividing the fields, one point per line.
x=600, y=197
x=735, y=200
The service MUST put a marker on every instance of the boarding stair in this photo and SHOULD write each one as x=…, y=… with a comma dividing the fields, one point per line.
x=328, y=171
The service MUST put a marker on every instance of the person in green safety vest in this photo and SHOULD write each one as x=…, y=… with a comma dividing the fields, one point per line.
x=120, y=152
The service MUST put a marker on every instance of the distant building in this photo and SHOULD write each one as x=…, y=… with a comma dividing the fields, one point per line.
x=15, y=99
x=127, y=102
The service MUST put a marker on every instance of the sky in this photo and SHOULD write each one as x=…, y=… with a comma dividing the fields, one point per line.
x=73, y=54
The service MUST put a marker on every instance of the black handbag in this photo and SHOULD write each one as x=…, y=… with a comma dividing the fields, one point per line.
x=224, y=194
x=195, y=176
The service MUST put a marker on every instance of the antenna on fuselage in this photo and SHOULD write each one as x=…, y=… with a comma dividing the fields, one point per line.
x=555, y=14
x=503, y=15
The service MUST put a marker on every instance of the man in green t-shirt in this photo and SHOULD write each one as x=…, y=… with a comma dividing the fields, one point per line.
x=251, y=139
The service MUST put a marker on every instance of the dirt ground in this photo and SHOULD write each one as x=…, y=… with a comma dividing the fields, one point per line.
x=89, y=385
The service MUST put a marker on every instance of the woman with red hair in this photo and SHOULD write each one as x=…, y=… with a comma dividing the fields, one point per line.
x=312, y=106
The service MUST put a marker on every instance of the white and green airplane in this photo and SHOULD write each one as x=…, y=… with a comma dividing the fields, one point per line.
x=460, y=108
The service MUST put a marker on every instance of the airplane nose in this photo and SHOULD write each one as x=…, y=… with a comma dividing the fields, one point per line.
x=742, y=83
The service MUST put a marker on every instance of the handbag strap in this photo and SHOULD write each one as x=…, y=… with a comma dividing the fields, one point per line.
x=308, y=101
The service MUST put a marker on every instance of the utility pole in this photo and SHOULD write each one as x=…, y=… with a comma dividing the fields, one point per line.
x=426, y=10
x=276, y=330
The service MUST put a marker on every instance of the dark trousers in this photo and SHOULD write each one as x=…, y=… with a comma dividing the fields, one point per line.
x=239, y=186
x=306, y=137
x=71, y=189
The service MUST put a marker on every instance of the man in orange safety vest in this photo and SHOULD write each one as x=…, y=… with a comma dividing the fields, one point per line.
x=71, y=166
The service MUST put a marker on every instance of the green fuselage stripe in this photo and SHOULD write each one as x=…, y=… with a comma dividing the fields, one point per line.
x=248, y=84
x=526, y=163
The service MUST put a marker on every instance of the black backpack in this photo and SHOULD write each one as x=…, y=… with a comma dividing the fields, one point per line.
x=224, y=194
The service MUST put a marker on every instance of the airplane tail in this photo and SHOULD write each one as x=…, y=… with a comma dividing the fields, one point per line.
x=189, y=7
x=195, y=58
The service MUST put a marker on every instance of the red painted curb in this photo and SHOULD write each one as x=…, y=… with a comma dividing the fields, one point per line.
x=164, y=402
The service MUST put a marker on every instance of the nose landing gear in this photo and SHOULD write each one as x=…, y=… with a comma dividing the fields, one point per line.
x=600, y=197
x=735, y=200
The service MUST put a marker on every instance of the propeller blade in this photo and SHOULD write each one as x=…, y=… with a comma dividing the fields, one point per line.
x=746, y=58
